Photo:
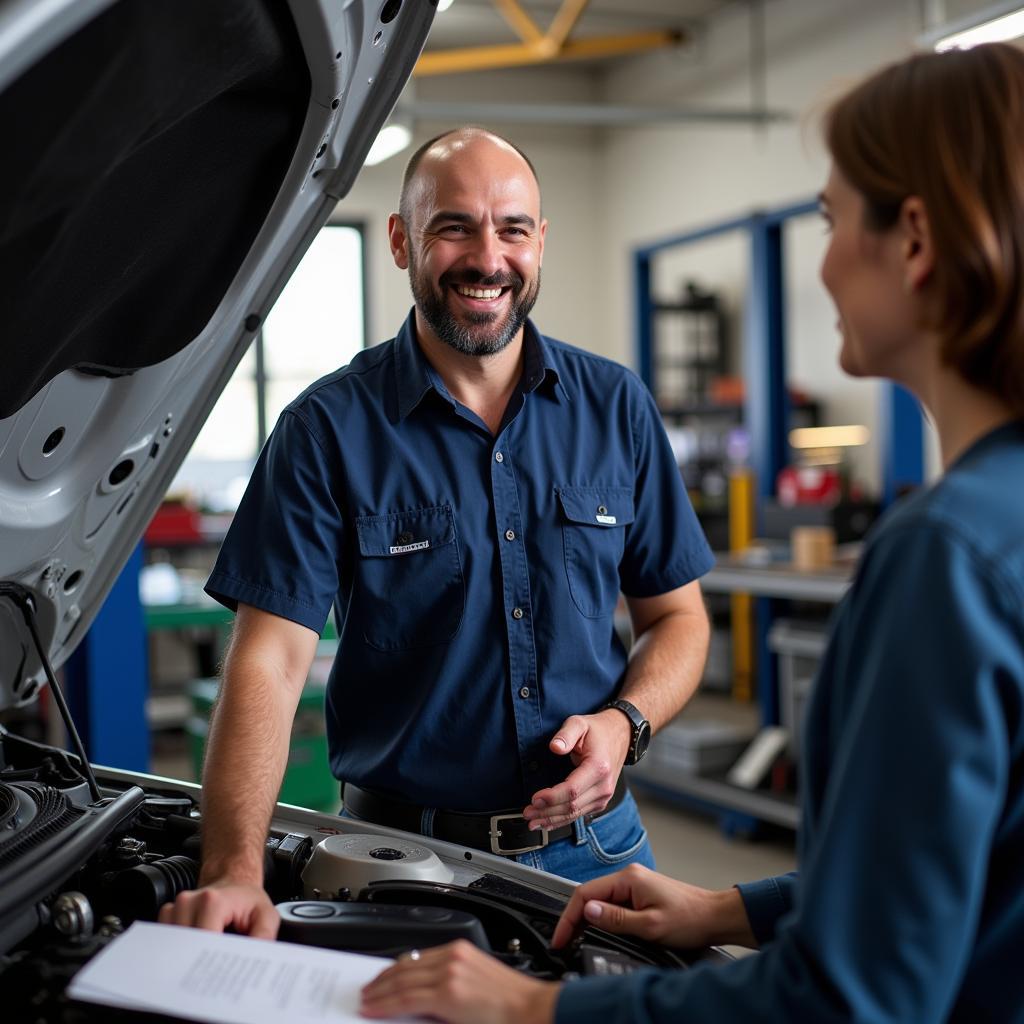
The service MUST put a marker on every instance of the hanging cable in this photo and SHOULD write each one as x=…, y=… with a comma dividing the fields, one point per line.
x=22, y=597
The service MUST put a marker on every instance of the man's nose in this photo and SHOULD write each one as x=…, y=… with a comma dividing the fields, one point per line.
x=487, y=257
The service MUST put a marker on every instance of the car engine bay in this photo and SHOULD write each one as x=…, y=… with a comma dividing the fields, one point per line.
x=74, y=874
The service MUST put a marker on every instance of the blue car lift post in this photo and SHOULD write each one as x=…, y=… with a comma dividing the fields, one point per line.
x=108, y=681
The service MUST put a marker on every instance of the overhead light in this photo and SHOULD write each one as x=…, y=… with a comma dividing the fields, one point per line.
x=829, y=437
x=993, y=24
x=443, y=5
x=391, y=139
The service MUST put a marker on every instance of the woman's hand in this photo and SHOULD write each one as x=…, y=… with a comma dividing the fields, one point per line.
x=638, y=901
x=459, y=983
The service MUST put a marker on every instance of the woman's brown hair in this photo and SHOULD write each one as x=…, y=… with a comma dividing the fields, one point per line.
x=949, y=128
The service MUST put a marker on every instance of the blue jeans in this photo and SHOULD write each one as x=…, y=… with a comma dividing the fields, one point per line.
x=611, y=842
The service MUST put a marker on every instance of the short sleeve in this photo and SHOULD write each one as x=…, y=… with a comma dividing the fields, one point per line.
x=282, y=551
x=665, y=545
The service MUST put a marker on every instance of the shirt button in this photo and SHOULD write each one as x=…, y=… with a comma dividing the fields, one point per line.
x=601, y=510
x=524, y=692
x=517, y=613
x=498, y=457
x=405, y=538
x=510, y=535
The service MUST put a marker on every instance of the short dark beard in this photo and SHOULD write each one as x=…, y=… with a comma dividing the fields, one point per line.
x=473, y=339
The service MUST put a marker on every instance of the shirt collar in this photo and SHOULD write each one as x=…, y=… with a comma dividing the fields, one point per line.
x=538, y=366
x=415, y=377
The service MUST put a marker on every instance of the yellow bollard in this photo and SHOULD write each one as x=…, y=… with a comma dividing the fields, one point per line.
x=741, y=533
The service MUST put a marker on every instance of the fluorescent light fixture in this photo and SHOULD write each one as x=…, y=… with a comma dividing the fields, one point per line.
x=443, y=5
x=391, y=139
x=829, y=437
x=993, y=24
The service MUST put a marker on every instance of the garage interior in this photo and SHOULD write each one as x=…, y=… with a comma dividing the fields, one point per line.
x=676, y=145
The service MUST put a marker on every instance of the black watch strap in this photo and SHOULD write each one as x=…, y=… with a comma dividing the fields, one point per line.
x=640, y=728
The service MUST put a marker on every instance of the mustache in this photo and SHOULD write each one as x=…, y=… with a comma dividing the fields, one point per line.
x=473, y=279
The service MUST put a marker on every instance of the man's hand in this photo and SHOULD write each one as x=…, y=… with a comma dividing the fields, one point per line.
x=638, y=901
x=597, y=745
x=246, y=908
x=459, y=984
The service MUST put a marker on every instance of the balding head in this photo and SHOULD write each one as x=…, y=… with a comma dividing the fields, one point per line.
x=448, y=146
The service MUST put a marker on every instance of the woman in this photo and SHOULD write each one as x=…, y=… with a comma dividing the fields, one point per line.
x=909, y=905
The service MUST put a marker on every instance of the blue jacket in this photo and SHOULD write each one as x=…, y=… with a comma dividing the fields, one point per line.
x=909, y=904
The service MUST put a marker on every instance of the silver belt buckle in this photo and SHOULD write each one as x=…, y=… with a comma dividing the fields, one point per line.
x=495, y=834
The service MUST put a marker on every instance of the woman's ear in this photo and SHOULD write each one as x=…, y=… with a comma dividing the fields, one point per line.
x=916, y=251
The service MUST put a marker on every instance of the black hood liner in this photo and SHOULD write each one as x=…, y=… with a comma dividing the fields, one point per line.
x=141, y=157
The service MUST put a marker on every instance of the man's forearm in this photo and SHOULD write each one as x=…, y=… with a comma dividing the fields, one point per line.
x=665, y=665
x=246, y=756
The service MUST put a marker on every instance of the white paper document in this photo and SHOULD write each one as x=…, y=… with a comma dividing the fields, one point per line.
x=226, y=979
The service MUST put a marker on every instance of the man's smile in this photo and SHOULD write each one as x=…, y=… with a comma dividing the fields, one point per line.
x=479, y=298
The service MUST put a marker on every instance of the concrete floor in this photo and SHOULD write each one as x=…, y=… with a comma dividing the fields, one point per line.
x=693, y=848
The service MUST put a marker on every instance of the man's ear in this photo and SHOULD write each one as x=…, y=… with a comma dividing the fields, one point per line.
x=398, y=239
x=540, y=252
x=917, y=250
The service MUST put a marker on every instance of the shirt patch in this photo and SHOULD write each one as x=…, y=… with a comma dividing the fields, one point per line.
x=607, y=520
x=401, y=549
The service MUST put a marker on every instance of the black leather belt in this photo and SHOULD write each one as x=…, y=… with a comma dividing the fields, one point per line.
x=506, y=833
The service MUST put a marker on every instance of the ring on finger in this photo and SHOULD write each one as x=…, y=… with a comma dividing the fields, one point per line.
x=413, y=954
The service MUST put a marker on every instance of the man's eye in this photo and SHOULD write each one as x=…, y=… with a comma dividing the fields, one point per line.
x=454, y=229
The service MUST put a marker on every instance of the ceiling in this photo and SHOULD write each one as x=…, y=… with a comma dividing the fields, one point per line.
x=479, y=22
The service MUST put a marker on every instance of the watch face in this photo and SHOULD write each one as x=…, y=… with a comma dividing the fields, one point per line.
x=643, y=741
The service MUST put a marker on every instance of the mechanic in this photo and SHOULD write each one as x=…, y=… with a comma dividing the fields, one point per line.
x=471, y=497
x=909, y=905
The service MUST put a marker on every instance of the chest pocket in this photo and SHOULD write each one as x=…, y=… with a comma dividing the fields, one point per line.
x=410, y=590
x=593, y=537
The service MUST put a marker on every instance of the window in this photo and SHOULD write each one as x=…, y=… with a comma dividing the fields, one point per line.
x=316, y=326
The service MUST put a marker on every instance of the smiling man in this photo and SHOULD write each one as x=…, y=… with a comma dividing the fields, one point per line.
x=470, y=497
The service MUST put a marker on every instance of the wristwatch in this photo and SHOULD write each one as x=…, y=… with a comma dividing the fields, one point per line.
x=641, y=728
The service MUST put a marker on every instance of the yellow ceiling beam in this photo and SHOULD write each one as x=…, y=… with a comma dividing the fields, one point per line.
x=521, y=22
x=512, y=55
x=564, y=22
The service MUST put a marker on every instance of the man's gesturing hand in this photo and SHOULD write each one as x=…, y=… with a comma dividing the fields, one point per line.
x=597, y=745
x=246, y=908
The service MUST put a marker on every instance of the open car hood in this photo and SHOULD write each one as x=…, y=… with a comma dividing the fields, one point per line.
x=166, y=165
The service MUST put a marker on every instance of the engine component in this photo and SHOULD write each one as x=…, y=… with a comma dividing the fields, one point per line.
x=72, y=915
x=384, y=930
x=355, y=861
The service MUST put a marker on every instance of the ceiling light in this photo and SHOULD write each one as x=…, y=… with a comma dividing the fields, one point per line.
x=993, y=24
x=443, y=5
x=391, y=139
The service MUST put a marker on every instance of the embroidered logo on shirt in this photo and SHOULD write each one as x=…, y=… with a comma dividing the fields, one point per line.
x=401, y=549
x=607, y=520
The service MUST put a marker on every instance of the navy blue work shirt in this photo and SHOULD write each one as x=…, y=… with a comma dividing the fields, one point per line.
x=474, y=577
